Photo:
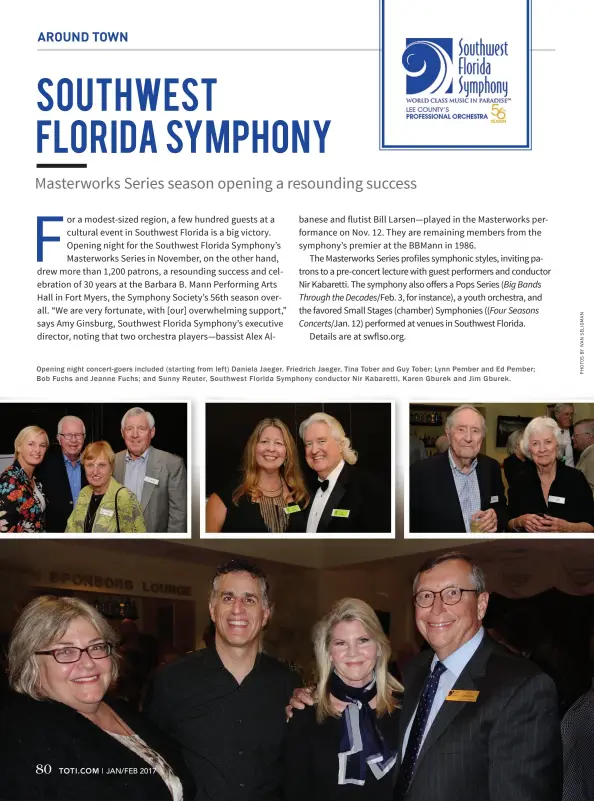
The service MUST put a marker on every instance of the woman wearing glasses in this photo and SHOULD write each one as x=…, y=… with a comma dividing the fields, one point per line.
x=22, y=502
x=104, y=505
x=59, y=736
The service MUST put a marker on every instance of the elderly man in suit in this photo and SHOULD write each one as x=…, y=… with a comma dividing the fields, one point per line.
x=61, y=474
x=157, y=478
x=460, y=490
x=478, y=721
x=344, y=499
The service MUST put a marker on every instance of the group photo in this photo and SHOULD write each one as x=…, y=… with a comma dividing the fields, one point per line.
x=436, y=675
x=309, y=468
x=502, y=468
x=93, y=469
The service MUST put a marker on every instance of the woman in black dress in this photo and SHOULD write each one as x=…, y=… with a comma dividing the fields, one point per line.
x=271, y=494
x=549, y=497
x=345, y=745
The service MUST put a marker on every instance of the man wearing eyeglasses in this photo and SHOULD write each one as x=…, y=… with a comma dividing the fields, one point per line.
x=61, y=474
x=157, y=478
x=478, y=722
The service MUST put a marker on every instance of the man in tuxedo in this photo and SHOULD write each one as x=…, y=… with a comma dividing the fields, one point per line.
x=460, y=490
x=478, y=721
x=157, y=478
x=343, y=498
x=61, y=474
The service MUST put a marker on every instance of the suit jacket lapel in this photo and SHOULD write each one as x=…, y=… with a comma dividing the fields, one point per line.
x=484, y=484
x=449, y=497
x=336, y=495
x=412, y=693
x=474, y=669
x=153, y=469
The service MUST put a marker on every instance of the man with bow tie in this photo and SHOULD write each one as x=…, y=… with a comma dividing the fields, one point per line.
x=345, y=500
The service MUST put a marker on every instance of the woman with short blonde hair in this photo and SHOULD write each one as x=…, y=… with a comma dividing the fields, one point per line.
x=346, y=744
x=59, y=736
x=22, y=502
x=104, y=505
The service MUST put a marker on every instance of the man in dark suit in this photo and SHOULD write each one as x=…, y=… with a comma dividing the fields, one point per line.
x=343, y=499
x=478, y=722
x=459, y=490
x=157, y=478
x=61, y=473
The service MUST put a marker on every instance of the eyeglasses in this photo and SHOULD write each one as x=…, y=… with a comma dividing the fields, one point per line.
x=425, y=598
x=71, y=436
x=72, y=654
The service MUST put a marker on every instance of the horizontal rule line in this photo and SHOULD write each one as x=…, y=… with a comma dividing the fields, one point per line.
x=61, y=166
x=208, y=49
x=231, y=50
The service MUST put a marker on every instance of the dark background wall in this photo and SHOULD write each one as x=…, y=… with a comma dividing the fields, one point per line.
x=102, y=422
x=228, y=427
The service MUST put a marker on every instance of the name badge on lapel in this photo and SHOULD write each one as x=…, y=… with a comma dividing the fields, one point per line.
x=556, y=499
x=107, y=513
x=341, y=513
x=462, y=696
x=151, y=480
x=494, y=499
x=292, y=508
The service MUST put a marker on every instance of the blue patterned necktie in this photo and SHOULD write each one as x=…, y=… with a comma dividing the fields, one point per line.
x=415, y=737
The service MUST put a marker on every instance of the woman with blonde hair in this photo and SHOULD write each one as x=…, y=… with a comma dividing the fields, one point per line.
x=104, y=505
x=271, y=492
x=345, y=745
x=22, y=503
x=61, y=737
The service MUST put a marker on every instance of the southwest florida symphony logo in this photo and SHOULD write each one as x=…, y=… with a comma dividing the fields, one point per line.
x=428, y=65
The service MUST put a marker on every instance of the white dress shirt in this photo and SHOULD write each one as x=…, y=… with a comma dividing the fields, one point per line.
x=455, y=665
x=321, y=499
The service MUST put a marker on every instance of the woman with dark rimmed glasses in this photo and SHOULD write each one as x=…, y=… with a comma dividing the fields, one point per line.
x=60, y=738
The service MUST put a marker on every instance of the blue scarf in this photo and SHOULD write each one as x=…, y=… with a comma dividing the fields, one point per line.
x=361, y=743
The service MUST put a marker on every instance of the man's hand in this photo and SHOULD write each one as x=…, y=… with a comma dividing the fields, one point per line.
x=487, y=520
x=300, y=698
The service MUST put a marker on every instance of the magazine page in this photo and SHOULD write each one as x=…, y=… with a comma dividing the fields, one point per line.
x=254, y=257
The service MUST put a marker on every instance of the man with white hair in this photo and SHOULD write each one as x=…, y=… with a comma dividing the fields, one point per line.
x=564, y=417
x=460, y=490
x=157, y=478
x=583, y=440
x=61, y=474
x=344, y=500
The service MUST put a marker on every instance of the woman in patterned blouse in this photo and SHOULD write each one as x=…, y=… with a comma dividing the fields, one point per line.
x=22, y=503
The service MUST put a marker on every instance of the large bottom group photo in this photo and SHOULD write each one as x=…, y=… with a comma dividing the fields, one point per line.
x=249, y=669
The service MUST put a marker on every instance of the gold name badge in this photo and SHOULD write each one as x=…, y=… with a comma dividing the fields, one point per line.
x=341, y=513
x=292, y=508
x=462, y=696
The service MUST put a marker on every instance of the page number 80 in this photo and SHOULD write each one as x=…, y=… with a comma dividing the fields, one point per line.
x=43, y=768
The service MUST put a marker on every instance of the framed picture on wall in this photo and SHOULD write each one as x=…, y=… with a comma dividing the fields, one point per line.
x=506, y=425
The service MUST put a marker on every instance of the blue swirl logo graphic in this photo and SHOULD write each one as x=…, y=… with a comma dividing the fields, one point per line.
x=428, y=65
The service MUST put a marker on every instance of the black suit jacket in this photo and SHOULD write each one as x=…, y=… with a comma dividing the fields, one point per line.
x=366, y=498
x=37, y=739
x=56, y=487
x=506, y=745
x=434, y=503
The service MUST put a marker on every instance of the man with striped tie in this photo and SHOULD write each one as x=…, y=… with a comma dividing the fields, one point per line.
x=478, y=722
